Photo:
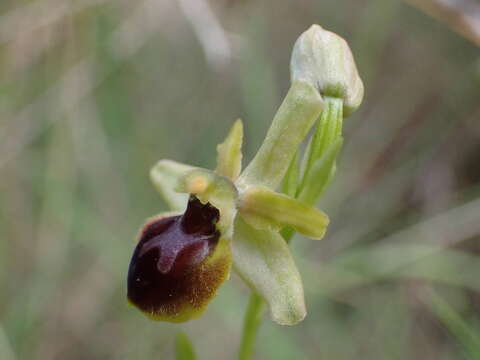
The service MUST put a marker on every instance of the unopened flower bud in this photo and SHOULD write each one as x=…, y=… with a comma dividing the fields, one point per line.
x=324, y=60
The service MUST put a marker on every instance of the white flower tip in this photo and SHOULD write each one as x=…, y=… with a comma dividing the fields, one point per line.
x=292, y=317
x=324, y=59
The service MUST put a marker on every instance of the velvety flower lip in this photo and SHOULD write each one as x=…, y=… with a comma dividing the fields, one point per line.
x=171, y=250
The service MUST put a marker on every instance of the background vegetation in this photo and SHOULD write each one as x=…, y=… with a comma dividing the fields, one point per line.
x=94, y=92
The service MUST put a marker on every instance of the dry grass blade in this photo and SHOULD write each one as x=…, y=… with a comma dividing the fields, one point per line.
x=462, y=16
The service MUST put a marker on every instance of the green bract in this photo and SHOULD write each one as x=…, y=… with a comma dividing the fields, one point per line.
x=239, y=216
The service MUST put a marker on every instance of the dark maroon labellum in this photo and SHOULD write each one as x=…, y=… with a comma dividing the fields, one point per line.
x=167, y=271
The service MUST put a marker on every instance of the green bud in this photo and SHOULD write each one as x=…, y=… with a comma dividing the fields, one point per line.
x=324, y=60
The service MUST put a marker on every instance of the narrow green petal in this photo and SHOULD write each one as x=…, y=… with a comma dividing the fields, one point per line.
x=262, y=258
x=229, y=158
x=262, y=207
x=164, y=176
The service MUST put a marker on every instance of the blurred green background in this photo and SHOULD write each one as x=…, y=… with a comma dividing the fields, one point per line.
x=94, y=92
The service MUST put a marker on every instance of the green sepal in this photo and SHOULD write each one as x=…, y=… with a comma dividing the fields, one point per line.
x=164, y=176
x=229, y=153
x=263, y=208
x=292, y=122
x=264, y=261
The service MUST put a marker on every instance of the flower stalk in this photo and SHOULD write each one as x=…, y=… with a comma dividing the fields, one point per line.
x=251, y=325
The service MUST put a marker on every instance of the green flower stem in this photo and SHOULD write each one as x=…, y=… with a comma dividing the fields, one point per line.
x=297, y=114
x=287, y=233
x=252, y=322
x=290, y=182
x=329, y=130
x=253, y=318
x=320, y=175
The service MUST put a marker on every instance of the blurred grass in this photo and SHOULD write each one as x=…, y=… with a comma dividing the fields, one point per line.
x=93, y=93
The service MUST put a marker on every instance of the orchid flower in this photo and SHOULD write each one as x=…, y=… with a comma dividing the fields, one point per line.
x=232, y=216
